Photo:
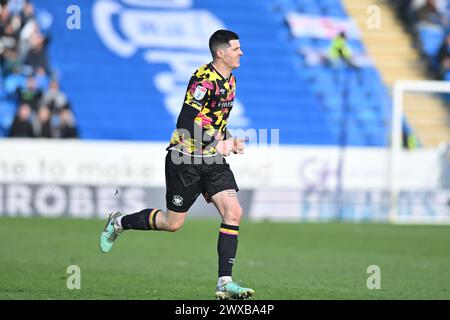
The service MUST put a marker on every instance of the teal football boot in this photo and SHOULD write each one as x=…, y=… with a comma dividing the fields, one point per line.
x=110, y=233
x=233, y=291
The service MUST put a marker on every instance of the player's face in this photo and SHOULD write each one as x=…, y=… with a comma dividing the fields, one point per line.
x=232, y=54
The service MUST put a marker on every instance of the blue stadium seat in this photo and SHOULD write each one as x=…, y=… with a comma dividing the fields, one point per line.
x=431, y=39
x=7, y=113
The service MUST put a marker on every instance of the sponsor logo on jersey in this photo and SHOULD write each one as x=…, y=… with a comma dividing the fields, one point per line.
x=226, y=104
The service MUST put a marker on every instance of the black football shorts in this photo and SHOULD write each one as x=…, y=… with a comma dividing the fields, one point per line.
x=185, y=182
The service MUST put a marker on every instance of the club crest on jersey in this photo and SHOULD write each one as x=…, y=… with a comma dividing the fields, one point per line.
x=199, y=93
x=177, y=200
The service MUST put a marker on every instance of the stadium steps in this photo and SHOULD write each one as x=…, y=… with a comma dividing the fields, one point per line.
x=396, y=59
x=393, y=61
x=431, y=125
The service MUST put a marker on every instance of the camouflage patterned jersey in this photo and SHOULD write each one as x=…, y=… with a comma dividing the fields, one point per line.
x=207, y=105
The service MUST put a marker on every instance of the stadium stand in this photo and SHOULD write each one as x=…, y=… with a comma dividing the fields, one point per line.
x=429, y=24
x=426, y=23
x=31, y=102
x=285, y=80
x=354, y=101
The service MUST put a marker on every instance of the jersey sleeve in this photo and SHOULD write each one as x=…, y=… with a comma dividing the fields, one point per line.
x=186, y=122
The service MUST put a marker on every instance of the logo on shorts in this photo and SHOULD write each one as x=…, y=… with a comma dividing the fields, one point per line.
x=177, y=200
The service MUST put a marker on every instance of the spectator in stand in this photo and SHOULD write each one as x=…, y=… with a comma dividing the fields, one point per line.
x=10, y=61
x=10, y=34
x=30, y=28
x=429, y=13
x=444, y=59
x=54, y=97
x=409, y=139
x=4, y=17
x=22, y=127
x=415, y=12
x=42, y=123
x=403, y=10
x=27, y=13
x=67, y=127
x=30, y=94
x=340, y=52
x=37, y=55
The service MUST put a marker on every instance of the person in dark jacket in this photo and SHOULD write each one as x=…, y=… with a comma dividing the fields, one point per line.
x=22, y=127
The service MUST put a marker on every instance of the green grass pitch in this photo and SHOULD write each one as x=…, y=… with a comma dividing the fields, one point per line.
x=279, y=260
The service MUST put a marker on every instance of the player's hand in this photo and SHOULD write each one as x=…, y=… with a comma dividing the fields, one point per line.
x=225, y=147
x=239, y=145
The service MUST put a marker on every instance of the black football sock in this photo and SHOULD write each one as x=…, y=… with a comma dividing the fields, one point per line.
x=226, y=248
x=142, y=220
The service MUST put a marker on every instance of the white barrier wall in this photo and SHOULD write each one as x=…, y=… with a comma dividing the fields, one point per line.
x=142, y=164
x=81, y=162
x=281, y=182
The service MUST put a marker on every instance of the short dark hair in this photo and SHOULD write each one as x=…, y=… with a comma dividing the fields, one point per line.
x=221, y=38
